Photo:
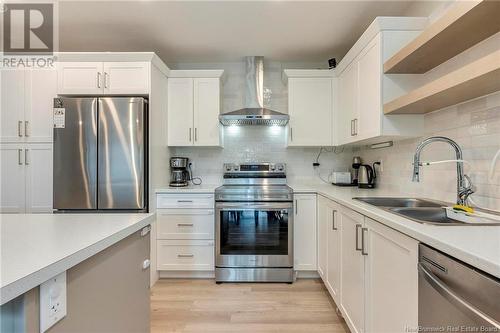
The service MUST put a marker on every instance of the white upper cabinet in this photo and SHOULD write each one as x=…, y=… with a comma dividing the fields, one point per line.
x=180, y=111
x=12, y=113
x=103, y=78
x=369, y=92
x=27, y=105
x=80, y=78
x=193, y=110
x=347, y=110
x=41, y=87
x=310, y=106
x=304, y=232
x=363, y=87
x=126, y=77
x=206, y=111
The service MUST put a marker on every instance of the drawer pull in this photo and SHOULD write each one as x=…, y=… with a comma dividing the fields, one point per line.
x=184, y=224
x=185, y=256
x=184, y=200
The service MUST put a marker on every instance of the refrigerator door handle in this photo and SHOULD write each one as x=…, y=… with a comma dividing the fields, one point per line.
x=98, y=79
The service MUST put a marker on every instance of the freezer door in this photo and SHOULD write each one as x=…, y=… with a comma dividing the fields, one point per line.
x=121, y=143
x=75, y=154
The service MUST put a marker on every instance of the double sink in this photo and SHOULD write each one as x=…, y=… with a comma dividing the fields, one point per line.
x=418, y=210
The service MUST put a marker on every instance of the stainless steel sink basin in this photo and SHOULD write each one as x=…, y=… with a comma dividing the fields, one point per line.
x=418, y=210
x=430, y=215
x=399, y=202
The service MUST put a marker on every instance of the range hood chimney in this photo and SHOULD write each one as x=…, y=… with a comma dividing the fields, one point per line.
x=254, y=112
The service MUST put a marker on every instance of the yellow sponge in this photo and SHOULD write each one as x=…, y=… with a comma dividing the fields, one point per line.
x=463, y=208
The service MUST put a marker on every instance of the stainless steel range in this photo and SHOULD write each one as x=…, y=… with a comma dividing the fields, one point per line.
x=254, y=224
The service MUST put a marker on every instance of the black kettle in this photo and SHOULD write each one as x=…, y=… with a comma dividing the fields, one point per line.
x=367, y=176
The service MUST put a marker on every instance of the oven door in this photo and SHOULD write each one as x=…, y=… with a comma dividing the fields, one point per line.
x=257, y=234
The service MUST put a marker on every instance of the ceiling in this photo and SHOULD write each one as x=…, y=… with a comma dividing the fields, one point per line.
x=209, y=31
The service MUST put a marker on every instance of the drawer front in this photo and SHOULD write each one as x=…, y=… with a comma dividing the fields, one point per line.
x=185, y=255
x=185, y=224
x=184, y=201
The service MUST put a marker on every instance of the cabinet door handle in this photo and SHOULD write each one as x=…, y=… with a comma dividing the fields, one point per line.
x=189, y=134
x=333, y=220
x=185, y=224
x=145, y=230
x=195, y=134
x=296, y=207
x=146, y=263
x=19, y=157
x=20, y=128
x=98, y=79
x=185, y=255
x=291, y=134
x=358, y=226
x=105, y=79
x=26, y=128
x=363, y=249
x=355, y=126
x=26, y=157
x=352, y=127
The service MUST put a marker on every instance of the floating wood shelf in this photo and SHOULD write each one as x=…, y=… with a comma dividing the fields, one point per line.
x=465, y=24
x=476, y=79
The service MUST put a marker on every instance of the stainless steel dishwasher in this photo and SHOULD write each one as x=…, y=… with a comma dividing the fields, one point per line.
x=454, y=297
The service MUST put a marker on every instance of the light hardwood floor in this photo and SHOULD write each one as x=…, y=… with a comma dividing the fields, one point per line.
x=203, y=306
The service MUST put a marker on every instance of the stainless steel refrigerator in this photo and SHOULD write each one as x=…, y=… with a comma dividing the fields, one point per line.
x=100, y=153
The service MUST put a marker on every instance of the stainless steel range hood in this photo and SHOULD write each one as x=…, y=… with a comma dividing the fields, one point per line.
x=254, y=112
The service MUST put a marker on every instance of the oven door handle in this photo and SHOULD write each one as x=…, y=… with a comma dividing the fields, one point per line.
x=452, y=297
x=253, y=205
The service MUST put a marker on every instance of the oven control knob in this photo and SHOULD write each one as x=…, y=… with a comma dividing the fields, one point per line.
x=272, y=167
x=228, y=168
x=236, y=168
x=280, y=167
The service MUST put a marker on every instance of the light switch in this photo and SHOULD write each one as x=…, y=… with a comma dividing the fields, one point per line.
x=52, y=301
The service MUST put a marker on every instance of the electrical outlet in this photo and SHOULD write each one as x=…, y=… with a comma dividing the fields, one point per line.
x=52, y=301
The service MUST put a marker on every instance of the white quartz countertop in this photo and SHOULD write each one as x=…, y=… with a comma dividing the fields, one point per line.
x=478, y=246
x=36, y=247
x=203, y=188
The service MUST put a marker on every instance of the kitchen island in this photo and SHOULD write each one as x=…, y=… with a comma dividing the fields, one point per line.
x=106, y=257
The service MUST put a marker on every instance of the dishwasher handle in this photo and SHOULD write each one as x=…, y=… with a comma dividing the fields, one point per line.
x=452, y=297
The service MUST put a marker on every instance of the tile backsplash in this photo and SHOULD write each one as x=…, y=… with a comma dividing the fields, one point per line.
x=260, y=144
x=475, y=126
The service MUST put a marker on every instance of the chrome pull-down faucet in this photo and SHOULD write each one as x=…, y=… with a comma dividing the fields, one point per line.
x=464, y=185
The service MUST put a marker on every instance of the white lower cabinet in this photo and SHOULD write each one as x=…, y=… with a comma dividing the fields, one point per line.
x=369, y=269
x=304, y=232
x=185, y=232
x=186, y=255
x=333, y=248
x=26, y=178
x=352, y=270
x=391, y=279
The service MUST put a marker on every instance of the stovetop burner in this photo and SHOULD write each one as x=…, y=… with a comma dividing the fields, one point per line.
x=254, y=182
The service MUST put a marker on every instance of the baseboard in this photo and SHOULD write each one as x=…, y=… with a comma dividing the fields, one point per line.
x=187, y=274
x=307, y=274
